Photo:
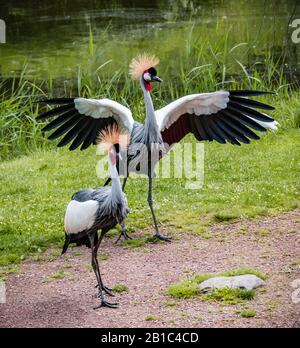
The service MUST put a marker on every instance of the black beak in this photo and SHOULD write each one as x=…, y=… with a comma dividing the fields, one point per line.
x=156, y=79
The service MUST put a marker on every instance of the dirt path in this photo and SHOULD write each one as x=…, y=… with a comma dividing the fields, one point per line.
x=147, y=271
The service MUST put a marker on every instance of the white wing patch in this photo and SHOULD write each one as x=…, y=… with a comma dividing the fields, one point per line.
x=80, y=216
x=198, y=104
x=267, y=125
x=103, y=108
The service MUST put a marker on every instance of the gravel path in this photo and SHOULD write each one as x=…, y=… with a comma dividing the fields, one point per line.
x=34, y=301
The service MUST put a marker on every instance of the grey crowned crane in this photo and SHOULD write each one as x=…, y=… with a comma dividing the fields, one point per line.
x=223, y=116
x=98, y=209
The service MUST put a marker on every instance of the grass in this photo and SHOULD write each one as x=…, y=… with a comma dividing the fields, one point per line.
x=104, y=257
x=189, y=288
x=55, y=276
x=151, y=318
x=262, y=232
x=35, y=190
x=295, y=263
x=170, y=303
x=247, y=313
x=229, y=296
x=120, y=288
x=37, y=180
x=134, y=243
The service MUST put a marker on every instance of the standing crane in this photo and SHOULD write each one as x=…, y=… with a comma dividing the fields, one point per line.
x=223, y=116
x=98, y=209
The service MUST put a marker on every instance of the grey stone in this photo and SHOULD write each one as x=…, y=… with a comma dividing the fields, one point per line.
x=246, y=281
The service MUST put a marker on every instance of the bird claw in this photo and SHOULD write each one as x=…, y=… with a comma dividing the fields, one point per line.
x=158, y=237
x=123, y=234
x=106, y=289
x=107, y=304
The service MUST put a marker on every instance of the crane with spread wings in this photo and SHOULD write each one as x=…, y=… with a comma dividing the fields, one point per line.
x=224, y=116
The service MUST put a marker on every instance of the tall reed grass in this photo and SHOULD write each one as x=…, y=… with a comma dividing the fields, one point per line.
x=201, y=65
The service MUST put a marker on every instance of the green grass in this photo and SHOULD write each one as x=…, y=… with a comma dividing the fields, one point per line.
x=170, y=303
x=120, y=288
x=151, y=318
x=247, y=313
x=134, y=243
x=263, y=232
x=243, y=182
x=189, y=288
x=37, y=180
x=104, y=257
x=229, y=296
x=55, y=276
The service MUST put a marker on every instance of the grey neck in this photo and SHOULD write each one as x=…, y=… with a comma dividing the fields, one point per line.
x=151, y=126
x=116, y=189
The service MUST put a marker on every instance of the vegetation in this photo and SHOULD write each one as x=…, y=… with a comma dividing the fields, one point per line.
x=151, y=318
x=247, y=313
x=55, y=276
x=37, y=180
x=190, y=288
x=120, y=288
x=229, y=296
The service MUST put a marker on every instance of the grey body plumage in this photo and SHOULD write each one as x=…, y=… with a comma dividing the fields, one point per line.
x=92, y=210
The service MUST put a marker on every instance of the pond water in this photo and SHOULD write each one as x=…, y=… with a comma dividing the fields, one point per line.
x=54, y=38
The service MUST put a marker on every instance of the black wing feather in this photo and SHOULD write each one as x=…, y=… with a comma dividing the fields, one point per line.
x=72, y=133
x=56, y=111
x=250, y=112
x=251, y=103
x=70, y=123
x=65, y=127
x=59, y=120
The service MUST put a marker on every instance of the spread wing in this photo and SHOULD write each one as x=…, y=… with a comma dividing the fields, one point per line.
x=224, y=116
x=80, y=120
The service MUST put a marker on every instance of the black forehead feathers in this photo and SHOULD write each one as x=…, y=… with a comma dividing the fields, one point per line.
x=152, y=71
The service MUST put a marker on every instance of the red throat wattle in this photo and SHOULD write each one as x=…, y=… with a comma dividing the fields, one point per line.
x=148, y=86
x=112, y=156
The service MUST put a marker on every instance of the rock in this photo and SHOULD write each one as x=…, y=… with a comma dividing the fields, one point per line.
x=246, y=281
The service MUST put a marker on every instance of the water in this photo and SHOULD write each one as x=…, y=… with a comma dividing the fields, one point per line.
x=54, y=38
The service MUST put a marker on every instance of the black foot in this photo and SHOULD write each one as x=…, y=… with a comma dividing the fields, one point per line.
x=107, y=304
x=158, y=237
x=107, y=290
x=125, y=235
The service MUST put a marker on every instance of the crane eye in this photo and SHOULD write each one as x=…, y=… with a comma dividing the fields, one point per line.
x=147, y=77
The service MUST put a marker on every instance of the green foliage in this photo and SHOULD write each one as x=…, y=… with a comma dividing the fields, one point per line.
x=104, y=257
x=134, y=243
x=55, y=276
x=189, y=288
x=247, y=313
x=229, y=296
x=37, y=180
x=120, y=288
x=151, y=318
x=244, y=182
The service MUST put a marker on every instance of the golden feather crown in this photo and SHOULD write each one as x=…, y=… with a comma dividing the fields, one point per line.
x=111, y=136
x=141, y=63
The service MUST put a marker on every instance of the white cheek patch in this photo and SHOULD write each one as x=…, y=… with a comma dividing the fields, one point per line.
x=147, y=77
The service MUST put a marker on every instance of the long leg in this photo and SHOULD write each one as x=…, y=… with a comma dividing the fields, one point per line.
x=96, y=247
x=150, y=201
x=96, y=269
x=124, y=183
